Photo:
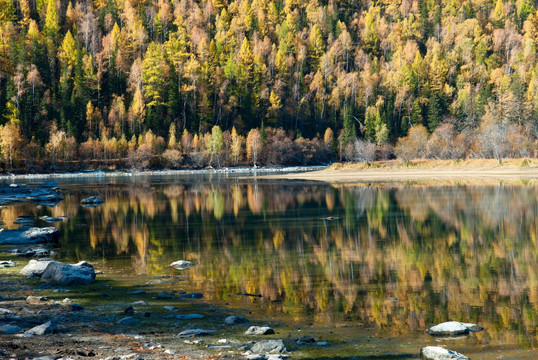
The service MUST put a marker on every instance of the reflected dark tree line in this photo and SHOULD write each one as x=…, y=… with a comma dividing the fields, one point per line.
x=399, y=257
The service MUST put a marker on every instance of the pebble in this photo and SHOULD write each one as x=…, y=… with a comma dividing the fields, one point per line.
x=140, y=303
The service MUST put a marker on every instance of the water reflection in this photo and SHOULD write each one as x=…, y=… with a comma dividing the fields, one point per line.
x=398, y=257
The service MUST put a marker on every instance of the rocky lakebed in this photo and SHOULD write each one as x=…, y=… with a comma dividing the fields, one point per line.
x=54, y=310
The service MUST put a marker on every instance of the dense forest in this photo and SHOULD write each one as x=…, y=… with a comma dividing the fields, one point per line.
x=213, y=82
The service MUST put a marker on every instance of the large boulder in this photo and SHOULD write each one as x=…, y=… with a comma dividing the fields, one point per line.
x=60, y=274
x=453, y=328
x=29, y=235
x=439, y=353
x=269, y=347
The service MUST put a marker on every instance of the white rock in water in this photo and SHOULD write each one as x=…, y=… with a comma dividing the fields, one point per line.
x=259, y=330
x=453, y=328
x=439, y=353
x=181, y=264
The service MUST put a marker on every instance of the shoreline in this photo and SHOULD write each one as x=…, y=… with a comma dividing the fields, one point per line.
x=421, y=171
x=248, y=171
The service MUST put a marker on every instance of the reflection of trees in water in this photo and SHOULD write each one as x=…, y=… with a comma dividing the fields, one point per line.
x=400, y=257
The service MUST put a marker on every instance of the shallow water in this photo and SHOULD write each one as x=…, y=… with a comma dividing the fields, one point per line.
x=392, y=261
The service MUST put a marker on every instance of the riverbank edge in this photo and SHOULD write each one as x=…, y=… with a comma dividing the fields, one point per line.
x=245, y=171
x=421, y=171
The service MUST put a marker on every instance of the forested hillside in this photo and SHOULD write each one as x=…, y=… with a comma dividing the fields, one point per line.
x=102, y=79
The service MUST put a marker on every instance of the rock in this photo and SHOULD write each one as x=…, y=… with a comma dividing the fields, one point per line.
x=140, y=303
x=181, y=264
x=29, y=235
x=61, y=274
x=7, y=264
x=232, y=320
x=24, y=221
x=75, y=307
x=19, y=193
x=194, y=332
x=137, y=292
x=170, y=308
x=169, y=352
x=259, y=330
x=36, y=300
x=47, y=328
x=48, y=184
x=9, y=329
x=214, y=346
x=92, y=201
x=453, y=328
x=192, y=296
x=190, y=317
x=439, y=353
x=321, y=343
x=127, y=321
x=193, y=342
x=269, y=347
x=6, y=312
x=129, y=310
x=35, y=268
x=277, y=357
x=305, y=340
x=51, y=220
x=164, y=296
x=256, y=357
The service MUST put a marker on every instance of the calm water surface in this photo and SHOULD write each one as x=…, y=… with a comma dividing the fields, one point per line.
x=393, y=260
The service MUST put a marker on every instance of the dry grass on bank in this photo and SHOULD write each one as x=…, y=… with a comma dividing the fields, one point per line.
x=424, y=171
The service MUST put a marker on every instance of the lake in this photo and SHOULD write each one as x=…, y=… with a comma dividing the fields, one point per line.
x=366, y=267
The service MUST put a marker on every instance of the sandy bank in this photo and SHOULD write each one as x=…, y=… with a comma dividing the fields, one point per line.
x=423, y=171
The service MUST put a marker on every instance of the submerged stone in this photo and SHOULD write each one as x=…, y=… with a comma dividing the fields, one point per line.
x=190, y=317
x=29, y=235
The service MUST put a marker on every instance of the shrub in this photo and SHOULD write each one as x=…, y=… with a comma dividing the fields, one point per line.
x=172, y=158
x=413, y=145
